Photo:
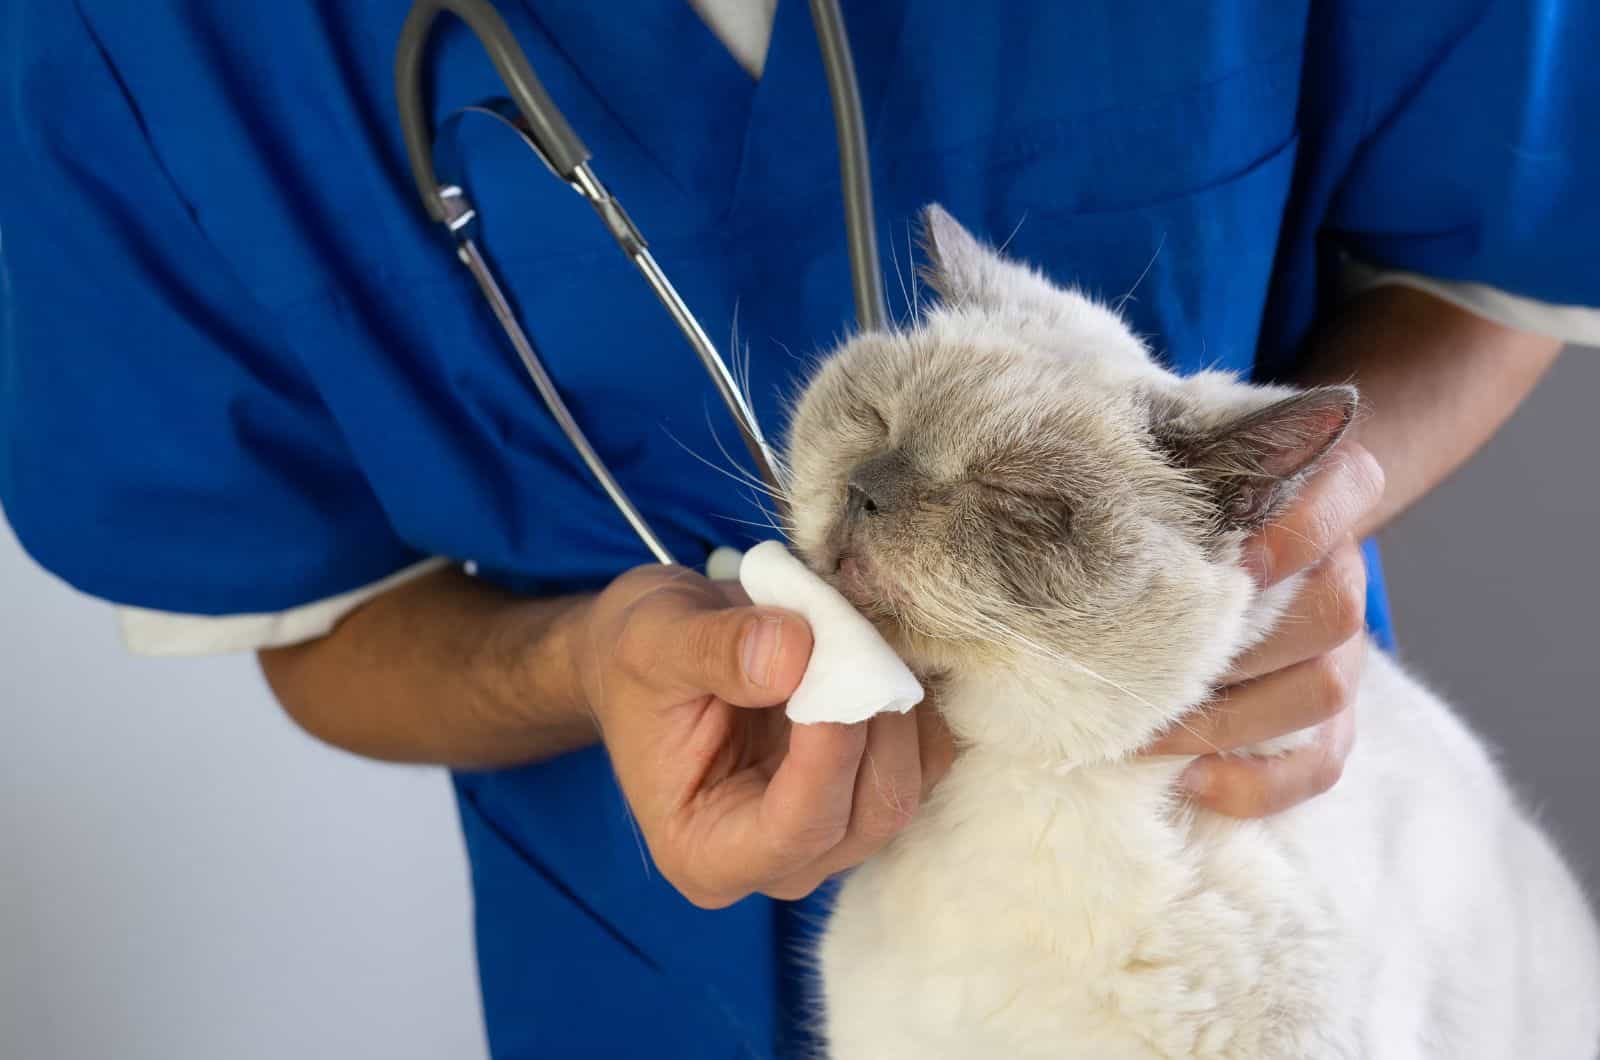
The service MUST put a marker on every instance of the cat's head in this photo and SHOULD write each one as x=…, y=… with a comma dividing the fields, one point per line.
x=1034, y=510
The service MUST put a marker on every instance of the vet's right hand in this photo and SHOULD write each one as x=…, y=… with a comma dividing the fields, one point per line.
x=686, y=680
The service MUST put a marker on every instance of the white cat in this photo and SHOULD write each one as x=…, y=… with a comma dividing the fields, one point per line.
x=1046, y=524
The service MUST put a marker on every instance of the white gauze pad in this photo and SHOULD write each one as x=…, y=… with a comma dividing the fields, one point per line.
x=853, y=673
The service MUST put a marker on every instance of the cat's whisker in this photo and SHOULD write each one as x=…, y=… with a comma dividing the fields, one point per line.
x=916, y=296
x=1009, y=636
x=780, y=470
x=1125, y=299
x=739, y=472
x=1001, y=249
x=905, y=293
x=1192, y=731
x=750, y=523
x=737, y=476
x=772, y=520
x=885, y=791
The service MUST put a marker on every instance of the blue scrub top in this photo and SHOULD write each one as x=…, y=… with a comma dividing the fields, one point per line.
x=239, y=370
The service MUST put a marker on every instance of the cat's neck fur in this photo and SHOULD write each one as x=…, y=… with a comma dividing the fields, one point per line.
x=1056, y=716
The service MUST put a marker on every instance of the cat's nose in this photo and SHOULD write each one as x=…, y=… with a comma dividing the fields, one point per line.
x=879, y=486
x=858, y=502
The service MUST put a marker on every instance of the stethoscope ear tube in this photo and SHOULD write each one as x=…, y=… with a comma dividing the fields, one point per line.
x=534, y=118
x=560, y=147
x=855, y=170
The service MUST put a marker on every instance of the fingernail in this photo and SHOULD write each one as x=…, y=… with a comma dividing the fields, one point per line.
x=1197, y=778
x=761, y=651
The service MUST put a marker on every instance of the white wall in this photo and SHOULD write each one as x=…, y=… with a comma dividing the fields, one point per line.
x=186, y=876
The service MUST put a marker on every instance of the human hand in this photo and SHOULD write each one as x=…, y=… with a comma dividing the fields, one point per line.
x=685, y=678
x=1305, y=672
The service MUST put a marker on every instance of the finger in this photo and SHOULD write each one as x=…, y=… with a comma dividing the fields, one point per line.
x=889, y=782
x=888, y=791
x=936, y=752
x=1328, y=608
x=756, y=837
x=935, y=744
x=1329, y=508
x=1260, y=787
x=806, y=809
x=683, y=642
x=1280, y=703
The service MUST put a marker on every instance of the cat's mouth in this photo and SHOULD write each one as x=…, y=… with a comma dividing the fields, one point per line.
x=846, y=562
x=850, y=576
x=860, y=581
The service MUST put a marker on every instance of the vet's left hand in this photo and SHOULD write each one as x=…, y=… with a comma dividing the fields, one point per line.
x=1305, y=672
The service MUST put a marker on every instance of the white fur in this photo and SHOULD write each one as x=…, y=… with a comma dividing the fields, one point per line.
x=1054, y=898
x=1080, y=913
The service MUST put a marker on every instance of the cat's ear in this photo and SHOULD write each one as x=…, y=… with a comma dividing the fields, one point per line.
x=962, y=269
x=1253, y=463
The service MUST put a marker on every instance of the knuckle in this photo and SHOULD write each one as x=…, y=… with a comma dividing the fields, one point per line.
x=1324, y=525
x=1332, y=684
x=697, y=891
x=1217, y=724
x=792, y=890
x=1328, y=772
x=808, y=841
x=706, y=893
x=654, y=617
x=705, y=898
x=1368, y=473
x=1345, y=593
x=1249, y=796
x=1237, y=788
x=881, y=825
x=634, y=652
x=708, y=646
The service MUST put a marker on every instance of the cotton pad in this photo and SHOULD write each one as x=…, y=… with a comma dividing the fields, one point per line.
x=853, y=673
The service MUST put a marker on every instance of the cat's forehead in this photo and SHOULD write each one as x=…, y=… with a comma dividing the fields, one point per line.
x=990, y=355
x=961, y=396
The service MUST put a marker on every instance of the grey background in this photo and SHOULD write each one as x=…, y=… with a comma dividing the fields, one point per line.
x=1495, y=584
x=184, y=876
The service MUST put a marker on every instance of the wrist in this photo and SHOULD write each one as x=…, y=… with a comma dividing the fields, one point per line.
x=571, y=654
x=546, y=686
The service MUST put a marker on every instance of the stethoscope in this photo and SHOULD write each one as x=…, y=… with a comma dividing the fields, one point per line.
x=531, y=115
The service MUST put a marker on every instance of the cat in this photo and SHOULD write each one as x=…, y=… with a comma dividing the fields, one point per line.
x=1047, y=524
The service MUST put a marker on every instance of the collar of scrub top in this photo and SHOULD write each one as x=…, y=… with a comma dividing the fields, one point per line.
x=530, y=114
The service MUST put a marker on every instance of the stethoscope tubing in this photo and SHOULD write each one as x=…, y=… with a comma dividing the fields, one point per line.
x=535, y=119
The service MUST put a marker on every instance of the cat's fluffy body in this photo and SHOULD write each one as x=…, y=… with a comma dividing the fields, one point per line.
x=1411, y=912
x=1072, y=587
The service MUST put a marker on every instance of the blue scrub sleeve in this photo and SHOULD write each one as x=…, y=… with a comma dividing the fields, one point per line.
x=1481, y=161
x=159, y=445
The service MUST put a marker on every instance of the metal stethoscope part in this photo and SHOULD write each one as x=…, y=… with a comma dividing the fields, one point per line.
x=530, y=114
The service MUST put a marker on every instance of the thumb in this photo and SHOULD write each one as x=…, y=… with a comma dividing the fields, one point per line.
x=749, y=656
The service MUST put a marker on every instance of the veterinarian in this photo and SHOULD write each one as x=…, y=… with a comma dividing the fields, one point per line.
x=246, y=396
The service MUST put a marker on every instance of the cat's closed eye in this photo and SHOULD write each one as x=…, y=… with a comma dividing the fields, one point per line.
x=1009, y=487
x=1025, y=503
